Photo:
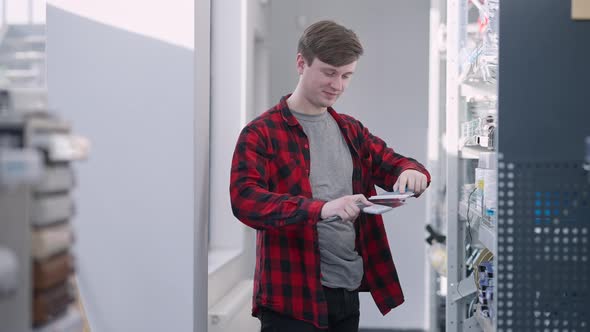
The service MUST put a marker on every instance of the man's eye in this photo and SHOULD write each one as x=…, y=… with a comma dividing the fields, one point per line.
x=330, y=74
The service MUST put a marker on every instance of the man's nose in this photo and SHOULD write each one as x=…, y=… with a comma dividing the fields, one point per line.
x=336, y=83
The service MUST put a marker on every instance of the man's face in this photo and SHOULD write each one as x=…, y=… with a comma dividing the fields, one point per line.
x=322, y=83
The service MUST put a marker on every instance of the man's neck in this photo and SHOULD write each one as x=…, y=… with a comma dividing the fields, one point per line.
x=298, y=103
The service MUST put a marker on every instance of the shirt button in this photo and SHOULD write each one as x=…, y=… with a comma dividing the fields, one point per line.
x=306, y=146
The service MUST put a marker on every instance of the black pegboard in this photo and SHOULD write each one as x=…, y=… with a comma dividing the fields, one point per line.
x=543, y=191
x=543, y=247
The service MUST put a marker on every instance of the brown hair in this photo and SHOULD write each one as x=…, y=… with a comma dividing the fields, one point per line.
x=331, y=43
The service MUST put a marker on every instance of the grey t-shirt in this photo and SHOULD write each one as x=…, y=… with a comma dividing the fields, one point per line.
x=331, y=178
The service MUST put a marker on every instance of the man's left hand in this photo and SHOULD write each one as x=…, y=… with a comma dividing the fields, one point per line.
x=411, y=180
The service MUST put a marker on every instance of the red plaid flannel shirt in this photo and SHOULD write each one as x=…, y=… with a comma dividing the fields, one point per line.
x=271, y=192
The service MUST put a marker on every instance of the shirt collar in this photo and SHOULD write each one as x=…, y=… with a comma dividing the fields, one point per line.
x=288, y=115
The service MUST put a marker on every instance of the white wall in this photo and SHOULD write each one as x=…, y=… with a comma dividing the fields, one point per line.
x=229, y=102
x=130, y=89
x=202, y=159
x=389, y=93
x=171, y=22
x=233, y=95
x=235, y=91
x=22, y=11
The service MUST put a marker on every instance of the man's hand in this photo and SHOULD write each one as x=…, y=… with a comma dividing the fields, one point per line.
x=346, y=207
x=411, y=180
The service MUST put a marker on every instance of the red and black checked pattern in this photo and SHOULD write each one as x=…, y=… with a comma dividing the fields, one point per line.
x=271, y=192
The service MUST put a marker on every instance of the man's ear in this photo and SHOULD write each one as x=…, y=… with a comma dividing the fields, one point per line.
x=300, y=63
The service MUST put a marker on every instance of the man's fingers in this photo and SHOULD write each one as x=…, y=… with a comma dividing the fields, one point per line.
x=411, y=183
x=396, y=185
x=403, y=181
x=362, y=199
x=349, y=213
x=343, y=215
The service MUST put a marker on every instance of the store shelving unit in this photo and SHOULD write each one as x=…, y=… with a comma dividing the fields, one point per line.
x=38, y=291
x=36, y=205
x=537, y=241
x=468, y=229
x=435, y=162
x=543, y=189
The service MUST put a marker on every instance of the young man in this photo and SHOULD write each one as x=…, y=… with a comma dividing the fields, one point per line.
x=300, y=163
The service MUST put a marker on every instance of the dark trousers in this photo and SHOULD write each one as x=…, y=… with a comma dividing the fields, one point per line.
x=343, y=315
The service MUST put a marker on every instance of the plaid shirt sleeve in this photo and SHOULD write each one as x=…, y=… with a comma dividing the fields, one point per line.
x=381, y=166
x=386, y=164
x=252, y=201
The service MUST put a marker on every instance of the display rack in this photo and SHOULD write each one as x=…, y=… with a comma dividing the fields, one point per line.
x=469, y=221
x=528, y=248
x=36, y=205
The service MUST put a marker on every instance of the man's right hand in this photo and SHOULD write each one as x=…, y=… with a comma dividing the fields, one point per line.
x=346, y=207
